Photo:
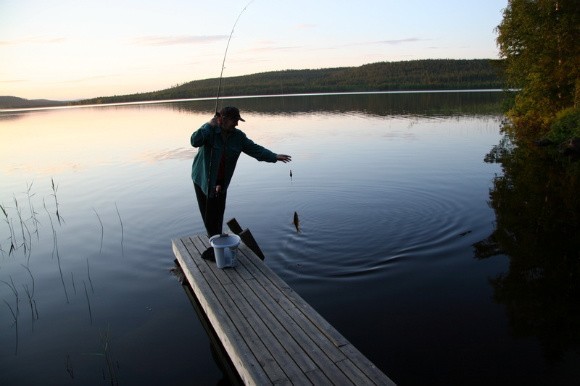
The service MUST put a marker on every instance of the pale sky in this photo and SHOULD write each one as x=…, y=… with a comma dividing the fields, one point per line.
x=76, y=49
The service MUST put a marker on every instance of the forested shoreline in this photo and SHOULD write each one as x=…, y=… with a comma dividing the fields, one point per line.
x=383, y=76
x=432, y=74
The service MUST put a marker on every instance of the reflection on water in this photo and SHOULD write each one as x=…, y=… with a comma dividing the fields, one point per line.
x=380, y=104
x=538, y=226
x=390, y=195
x=44, y=142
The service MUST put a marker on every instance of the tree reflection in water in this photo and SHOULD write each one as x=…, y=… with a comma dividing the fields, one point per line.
x=538, y=228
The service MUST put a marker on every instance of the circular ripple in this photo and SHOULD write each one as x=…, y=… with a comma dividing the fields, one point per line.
x=352, y=234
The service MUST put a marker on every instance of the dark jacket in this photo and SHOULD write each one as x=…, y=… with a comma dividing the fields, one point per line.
x=236, y=143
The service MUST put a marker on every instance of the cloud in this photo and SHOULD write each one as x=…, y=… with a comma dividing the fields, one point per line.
x=173, y=40
x=273, y=48
x=269, y=46
x=378, y=42
x=89, y=78
x=398, y=41
x=32, y=40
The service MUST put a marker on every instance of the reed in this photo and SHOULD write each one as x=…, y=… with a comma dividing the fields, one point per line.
x=72, y=279
x=102, y=230
x=55, y=251
x=12, y=236
x=14, y=291
x=30, y=295
x=15, y=313
x=106, y=348
x=89, y=276
x=33, y=212
x=26, y=242
x=31, y=277
x=88, y=302
x=54, y=240
x=122, y=231
x=31, y=303
x=68, y=367
x=54, y=190
x=15, y=323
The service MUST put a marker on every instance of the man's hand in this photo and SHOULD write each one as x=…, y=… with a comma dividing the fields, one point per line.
x=215, y=121
x=283, y=157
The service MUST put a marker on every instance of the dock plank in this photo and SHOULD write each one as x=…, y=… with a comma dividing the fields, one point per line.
x=271, y=326
x=273, y=294
x=320, y=350
x=270, y=333
x=251, y=368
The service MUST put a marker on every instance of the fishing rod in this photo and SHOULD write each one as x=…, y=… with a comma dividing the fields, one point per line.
x=217, y=114
x=225, y=55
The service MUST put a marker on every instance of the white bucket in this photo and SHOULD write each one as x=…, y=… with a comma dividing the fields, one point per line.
x=225, y=248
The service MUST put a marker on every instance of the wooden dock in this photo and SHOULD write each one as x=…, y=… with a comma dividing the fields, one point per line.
x=271, y=335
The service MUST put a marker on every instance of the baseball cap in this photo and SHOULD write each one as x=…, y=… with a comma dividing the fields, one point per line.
x=231, y=112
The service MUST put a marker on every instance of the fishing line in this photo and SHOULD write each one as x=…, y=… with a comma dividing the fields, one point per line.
x=225, y=55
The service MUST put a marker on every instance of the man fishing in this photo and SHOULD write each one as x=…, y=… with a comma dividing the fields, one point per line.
x=220, y=143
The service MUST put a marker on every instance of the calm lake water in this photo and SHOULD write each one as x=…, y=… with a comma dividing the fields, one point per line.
x=393, y=196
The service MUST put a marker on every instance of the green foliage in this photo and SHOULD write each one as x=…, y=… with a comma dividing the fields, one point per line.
x=384, y=76
x=539, y=41
x=566, y=125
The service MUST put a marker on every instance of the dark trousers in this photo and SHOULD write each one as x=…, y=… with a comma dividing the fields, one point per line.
x=212, y=210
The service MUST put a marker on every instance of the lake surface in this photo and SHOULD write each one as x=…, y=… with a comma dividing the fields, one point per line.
x=396, y=203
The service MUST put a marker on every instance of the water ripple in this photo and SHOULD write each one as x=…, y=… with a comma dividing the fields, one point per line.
x=399, y=225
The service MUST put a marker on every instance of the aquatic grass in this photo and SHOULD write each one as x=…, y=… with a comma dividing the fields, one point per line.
x=31, y=276
x=33, y=212
x=4, y=211
x=15, y=313
x=106, y=353
x=68, y=367
x=88, y=302
x=72, y=279
x=15, y=323
x=14, y=291
x=89, y=276
x=23, y=227
x=25, y=219
x=30, y=295
x=54, y=190
x=109, y=371
x=122, y=231
x=56, y=252
x=13, y=242
x=102, y=230
x=12, y=237
x=32, y=304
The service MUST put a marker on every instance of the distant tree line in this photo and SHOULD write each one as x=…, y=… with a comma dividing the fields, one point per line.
x=11, y=102
x=384, y=76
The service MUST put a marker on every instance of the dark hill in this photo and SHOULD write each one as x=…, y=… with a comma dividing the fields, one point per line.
x=435, y=74
x=11, y=102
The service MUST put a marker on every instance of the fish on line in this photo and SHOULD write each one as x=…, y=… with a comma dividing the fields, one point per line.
x=296, y=222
